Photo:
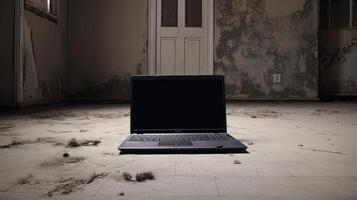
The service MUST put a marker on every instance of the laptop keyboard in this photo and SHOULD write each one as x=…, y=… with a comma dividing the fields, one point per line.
x=178, y=137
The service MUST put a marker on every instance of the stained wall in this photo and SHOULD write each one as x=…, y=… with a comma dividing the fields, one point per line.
x=338, y=62
x=255, y=39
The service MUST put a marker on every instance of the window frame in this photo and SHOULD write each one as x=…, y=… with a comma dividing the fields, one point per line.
x=329, y=17
x=50, y=14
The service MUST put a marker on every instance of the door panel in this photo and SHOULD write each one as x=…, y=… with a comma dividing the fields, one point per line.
x=182, y=49
x=168, y=55
x=192, y=55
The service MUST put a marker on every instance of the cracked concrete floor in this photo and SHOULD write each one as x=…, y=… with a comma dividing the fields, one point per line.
x=297, y=151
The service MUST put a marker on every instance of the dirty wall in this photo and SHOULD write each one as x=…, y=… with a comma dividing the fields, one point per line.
x=338, y=62
x=255, y=39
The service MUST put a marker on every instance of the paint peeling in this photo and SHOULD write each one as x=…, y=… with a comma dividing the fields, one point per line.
x=337, y=59
x=252, y=45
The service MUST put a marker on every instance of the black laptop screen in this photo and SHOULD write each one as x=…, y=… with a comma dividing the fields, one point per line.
x=178, y=104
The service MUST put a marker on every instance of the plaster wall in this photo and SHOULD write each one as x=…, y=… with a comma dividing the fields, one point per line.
x=338, y=62
x=255, y=39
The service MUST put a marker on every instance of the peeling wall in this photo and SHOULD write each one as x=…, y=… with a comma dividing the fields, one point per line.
x=45, y=75
x=108, y=43
x=338, y=62
x=7, y=87
x=256, y=38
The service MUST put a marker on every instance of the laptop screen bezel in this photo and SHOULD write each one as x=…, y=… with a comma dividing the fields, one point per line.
x=187, y=77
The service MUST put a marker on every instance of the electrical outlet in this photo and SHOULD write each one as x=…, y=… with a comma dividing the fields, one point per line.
x=276, y=78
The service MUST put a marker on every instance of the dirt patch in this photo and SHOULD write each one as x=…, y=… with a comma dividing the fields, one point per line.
x=265, y=113
x=62, y=161
x=73, y=143
x=59, y=132
x=127, y=176
x=18, y=142
x=237, y=162
x=95, y=176
x=318, y=112
x=67, y=186
x=6, y=127
x=62, y=115
x=139, y=177
x=29, y=179
x=53, y=115
x=109, y=154
x=324, y=151
x=110, y=115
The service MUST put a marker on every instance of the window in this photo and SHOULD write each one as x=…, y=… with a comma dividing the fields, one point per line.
x=43, y=8
x=193, y=12
x=338, y=13
x=169, y=13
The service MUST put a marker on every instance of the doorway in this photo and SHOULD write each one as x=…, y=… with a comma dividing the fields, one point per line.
x=180, y=37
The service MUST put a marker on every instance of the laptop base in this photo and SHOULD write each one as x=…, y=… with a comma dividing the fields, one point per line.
x=181, y=151
x=230, y=145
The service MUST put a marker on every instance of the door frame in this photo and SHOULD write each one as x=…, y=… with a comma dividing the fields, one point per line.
x=152, y=31
x=18, y=50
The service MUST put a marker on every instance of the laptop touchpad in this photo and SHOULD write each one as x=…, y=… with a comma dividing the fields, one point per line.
x=174, y=143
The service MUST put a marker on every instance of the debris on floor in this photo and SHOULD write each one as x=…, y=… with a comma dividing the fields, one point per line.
x=237, y=162
x=264, y=113
x=109, y=154
x=95, y=176
x=62, y=161
x=5, y=127
x=53, y=115
x=325, y=151
x=18, y=142
x=127, y=176
x=121, y=194
x=90, y=142
x=58, y=132
x=65, y=155
x=140, y=177
x=29, y=179
x=250, y=143
x=301, y=145
x=72, y=143
x=77, y=143
x=324, y=111
x=111, y=115
x=66, y=186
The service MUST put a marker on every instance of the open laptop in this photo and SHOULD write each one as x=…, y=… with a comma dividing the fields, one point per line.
x=179, y=114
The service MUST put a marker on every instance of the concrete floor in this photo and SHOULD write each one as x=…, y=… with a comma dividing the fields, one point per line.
x=297, y=151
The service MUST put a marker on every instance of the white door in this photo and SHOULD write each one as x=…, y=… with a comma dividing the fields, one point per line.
x=182, y=37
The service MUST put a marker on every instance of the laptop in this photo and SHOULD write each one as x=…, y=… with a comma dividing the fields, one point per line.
x=179, y=114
